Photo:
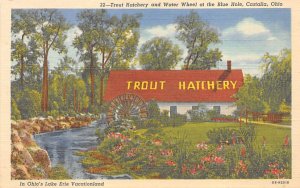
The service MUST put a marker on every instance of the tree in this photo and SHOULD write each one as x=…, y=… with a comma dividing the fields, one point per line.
x=197, y=35
x=22, y=27
x=159, y=53
x=249, y=96
x=29, y=98
x=49, y=35
x=118, y=46
x=87, y=41
x=276, y=79
x=115, y=39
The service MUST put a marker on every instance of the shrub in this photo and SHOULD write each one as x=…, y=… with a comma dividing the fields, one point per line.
x=153, y=109
x=30, y=104
x=220, y=135
x=152, y=123
x=15, y=112
x=177, y=120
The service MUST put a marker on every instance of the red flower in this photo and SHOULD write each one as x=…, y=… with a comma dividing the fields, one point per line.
x=243, y=152
x=242, y=167
x=206, y=159
x=286, y=141
x=183, y=169
x=166, y=153
x=193, y=171
x=170, y=163
x=151, y=157
x=275, y=171
x=219, y=147
x=233, y=140
x=200, y=167
x=157, y=142
x=219, y=160
x=202, y=146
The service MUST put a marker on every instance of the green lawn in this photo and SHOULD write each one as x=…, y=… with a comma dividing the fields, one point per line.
x=196, y=132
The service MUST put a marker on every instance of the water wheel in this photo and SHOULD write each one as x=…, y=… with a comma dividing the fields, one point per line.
x=126, y=106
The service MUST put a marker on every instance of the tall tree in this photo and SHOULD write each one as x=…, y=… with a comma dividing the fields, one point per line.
x=49, y=35
x=197, y=35
x=249, y=96
x=159, y=53
x=276, y=79
x=114, y=39
x=87, y=41
x=118, y=45
x=22, y=27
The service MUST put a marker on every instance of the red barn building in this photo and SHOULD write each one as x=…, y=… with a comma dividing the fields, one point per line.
x=179, y=90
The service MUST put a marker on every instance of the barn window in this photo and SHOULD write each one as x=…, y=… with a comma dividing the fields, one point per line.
x=173, y=110
x=217, y=109
x=195, y=108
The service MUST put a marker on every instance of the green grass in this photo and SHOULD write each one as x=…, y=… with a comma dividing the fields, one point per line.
x=196, y=132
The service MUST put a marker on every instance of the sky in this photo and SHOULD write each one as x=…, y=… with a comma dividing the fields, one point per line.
x=246, y=34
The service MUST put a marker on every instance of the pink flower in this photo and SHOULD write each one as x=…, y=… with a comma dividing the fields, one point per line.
x=117, y=135
x=151, y=157
x=166, y=153
x=243, y=152
x=193, y=171
x=219, y=160
x=202, y=146
x=286, y=141
x=170, y=163
x=206, y=159
x=131, y=152
x=219, y=147
x=157, y=142
x=183, y=169
x=200, y=167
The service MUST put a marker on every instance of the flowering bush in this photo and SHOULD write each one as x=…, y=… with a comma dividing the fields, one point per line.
x=151, y=155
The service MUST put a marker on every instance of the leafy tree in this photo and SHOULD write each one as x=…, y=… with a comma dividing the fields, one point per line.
x=115, y=39
x=86, y=43
x=118, y=46
x=49, y=35
x=197, y=35
x=276, y=79
x=249, y=96
x=22, y=27
x=159, y=54
x=284, y=108
x=29, y=103
x=153, y=110
x=15, y=112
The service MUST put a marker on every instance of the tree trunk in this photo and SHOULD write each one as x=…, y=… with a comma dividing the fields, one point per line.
x=92, y=77
x=65, y=92
x=101, y=88
x=74, y=100
x=45, y=84
x=22, y=72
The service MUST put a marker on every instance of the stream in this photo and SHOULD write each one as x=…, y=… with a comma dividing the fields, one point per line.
x=62, y=146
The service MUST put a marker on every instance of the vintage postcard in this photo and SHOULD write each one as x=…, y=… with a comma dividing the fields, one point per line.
x=149, y=93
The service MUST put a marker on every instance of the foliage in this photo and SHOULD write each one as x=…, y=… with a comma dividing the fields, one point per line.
x=153, y=109
x=284, y=108
x=159, y=53
x=276, y=79
x=59, y=173
x=249, y=96
x=151, y=153
x=114, y=38
x=15, y=112
x=198, y=36
x=30, y=98
x=199, y=115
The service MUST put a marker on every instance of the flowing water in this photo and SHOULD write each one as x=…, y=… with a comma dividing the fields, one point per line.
x=62, y=146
